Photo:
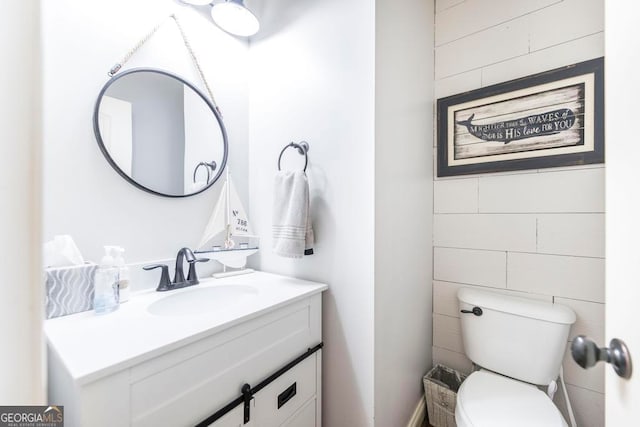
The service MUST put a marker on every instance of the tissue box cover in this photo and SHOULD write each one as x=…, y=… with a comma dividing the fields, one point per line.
x=69, y=290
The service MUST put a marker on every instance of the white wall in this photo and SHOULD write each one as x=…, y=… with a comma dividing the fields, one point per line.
x=313, y=79
x=21, y=312
x=83, y=195
x=537, y=233
x=403, y=206
x=350, y=78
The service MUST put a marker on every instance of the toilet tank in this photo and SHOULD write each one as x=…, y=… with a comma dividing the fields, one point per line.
x=517, y=337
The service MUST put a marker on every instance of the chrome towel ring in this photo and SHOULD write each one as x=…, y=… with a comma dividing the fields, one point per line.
x=209, y=167
x=303, y=149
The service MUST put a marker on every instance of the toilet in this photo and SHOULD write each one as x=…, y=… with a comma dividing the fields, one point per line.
x=517, y=344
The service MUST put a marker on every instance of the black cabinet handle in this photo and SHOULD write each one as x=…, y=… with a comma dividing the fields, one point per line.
x=476, y=310
x=286, y=395
x=246, y=399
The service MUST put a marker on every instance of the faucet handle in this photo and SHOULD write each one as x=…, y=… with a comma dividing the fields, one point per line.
x=193, y=276
x=165, y=280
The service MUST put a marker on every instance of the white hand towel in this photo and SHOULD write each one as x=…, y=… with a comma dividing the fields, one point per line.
x=292, y=232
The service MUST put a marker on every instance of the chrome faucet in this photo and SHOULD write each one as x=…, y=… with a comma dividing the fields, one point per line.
x=179, y=280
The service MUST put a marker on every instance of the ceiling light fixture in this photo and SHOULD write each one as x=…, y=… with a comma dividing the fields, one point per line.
x=234, y=18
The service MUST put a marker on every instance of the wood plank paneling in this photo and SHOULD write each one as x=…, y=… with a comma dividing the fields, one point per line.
x=569, y=20
x=564, y=192
x=564, y=276
x=588, y=406
x=590, y=317
x=494, y=232
x=476, y=16
x=571, y=234
x=458, y=83
x=455, y=196
x=447, y=333
x=452, y=359
x=470, y=266
x=446, y=4
x=471, y=52
x=582, y=49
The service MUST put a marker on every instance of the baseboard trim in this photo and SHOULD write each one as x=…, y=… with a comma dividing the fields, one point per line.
x=419, y=417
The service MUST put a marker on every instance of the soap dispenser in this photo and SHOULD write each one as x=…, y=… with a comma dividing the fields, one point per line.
x=106, y=296
x=123, y=272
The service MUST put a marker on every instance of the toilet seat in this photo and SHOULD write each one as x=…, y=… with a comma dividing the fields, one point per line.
x=486, y=399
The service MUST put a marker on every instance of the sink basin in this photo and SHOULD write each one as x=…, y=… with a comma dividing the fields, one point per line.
x=202, y=300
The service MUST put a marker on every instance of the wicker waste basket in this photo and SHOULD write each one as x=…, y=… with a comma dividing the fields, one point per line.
x=440, y=390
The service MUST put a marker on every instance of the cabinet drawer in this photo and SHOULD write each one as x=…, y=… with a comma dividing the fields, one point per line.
x=286, y=395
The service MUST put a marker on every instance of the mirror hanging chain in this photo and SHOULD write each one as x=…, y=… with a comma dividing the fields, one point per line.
x=187, y=44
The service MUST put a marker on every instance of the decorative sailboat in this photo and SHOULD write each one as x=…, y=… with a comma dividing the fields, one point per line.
x=227, y=226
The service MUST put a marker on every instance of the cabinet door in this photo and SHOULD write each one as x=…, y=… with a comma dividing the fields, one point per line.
x=305, y=417
x=284, y=397
x=235, y=418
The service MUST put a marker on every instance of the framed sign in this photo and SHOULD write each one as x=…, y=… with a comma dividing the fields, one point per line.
x=551, y=119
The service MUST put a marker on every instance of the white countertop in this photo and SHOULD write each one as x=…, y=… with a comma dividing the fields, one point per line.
x=92, y=346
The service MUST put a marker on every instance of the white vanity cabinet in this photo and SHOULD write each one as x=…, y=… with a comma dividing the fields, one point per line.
x=189, y=380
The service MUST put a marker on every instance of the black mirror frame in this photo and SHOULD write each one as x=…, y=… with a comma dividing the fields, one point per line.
x=214, y=110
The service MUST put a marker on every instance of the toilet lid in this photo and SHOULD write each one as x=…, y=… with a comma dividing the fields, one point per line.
x=486, y=399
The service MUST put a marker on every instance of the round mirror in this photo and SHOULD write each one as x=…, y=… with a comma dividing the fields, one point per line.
x=160, y=132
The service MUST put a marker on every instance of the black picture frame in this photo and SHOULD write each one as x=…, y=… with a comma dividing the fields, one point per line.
x=550, y=119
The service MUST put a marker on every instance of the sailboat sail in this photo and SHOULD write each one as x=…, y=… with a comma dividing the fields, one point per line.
x=239, y=221
x=217, y=223
x=229, y=220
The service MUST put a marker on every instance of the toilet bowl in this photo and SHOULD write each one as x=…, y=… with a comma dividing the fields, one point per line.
x=486, y=399
x=519, y=345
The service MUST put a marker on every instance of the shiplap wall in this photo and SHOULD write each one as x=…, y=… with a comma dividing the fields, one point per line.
x=535, y=233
